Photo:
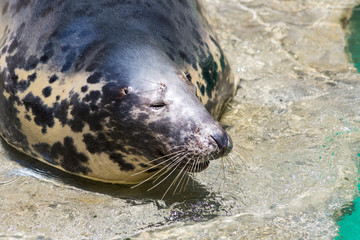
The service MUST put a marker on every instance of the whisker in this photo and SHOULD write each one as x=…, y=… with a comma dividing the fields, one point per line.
x=194, y=166
x=149, y=178
x=172, y=183
x=233, y=163
x=167, y=155
x=166, y=160
x=176, y=163
x=223, y=170
x=190, y=171
x=188, y=176
x=162, y=180
x=219, y=173
x=152, y=176
x=184, y=173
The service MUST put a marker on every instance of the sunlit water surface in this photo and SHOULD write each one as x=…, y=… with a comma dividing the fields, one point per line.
x=294, y=122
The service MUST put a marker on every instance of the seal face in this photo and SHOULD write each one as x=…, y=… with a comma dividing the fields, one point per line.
x=112, y=90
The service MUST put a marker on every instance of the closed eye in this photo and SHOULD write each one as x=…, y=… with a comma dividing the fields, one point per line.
x=158, y=105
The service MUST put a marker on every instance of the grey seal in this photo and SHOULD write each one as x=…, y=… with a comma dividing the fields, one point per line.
x=113, y=90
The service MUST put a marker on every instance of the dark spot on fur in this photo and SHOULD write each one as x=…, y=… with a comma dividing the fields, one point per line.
x=152, y=170
x=70, y=159
x=93, y=96
x=143, y=165
x=48, y=52
x=69, y=61
x=124, y=166
x=53, y=78
x=47, y=91
x=91, y=67
x=202, y=88
x=94, y=78
x=20, y=5
x=222, y=58
x=9, y=119
x=93, y=107
x=32, y=77
x=31, y=63
x=184, y=56
x=84, y=88
x=57, y=97
x=14, y=44
x=188, y=76
x=4, y=49
x=95, y=144
x=23, y=85
x=80, y=113
x=43, y=114
x=44, y=150
x=210, y=74
x=5, y=8
x=61, y=111
x=196, y=35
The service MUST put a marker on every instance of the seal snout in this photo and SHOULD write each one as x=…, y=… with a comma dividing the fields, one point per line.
x=223, y=142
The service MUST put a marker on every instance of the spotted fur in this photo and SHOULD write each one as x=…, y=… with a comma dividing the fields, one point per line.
x=104, y=89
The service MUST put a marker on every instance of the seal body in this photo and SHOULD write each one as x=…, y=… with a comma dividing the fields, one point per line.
x=112, y=90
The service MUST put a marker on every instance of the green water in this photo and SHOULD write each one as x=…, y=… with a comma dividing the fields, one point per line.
x=349, y=223
x=353, y=41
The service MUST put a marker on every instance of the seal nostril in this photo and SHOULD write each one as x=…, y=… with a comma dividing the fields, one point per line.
x=223, y=141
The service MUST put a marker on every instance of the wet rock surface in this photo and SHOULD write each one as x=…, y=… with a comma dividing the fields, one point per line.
x=294, y=123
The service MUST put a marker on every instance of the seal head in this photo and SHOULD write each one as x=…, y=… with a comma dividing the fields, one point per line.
x=113, y=90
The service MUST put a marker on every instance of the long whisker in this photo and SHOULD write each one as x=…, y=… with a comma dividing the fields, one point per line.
x=186, y=179
x=171, y=165
x=176, y=178
x=233, y=163
x=219, y=173
x=184, y=173
x=152, y=176
x=223, y=170
x=194, y=165
x=162, y=180
x=170, y=184
x=167, y=155
x=176, y=154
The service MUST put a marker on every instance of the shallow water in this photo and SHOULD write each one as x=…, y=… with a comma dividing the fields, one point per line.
x=295, y=120
x=349, y=217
